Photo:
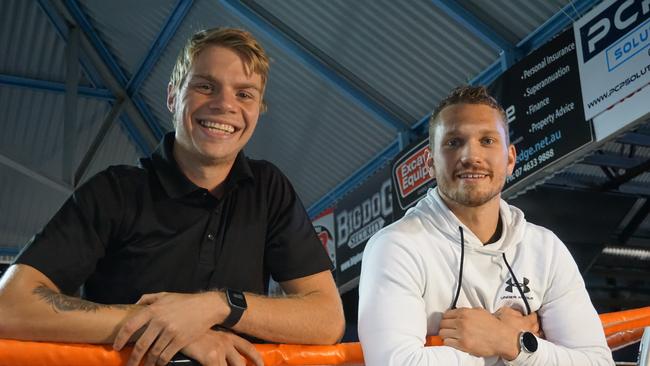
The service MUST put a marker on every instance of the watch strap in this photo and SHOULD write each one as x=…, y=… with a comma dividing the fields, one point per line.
x=236, y=311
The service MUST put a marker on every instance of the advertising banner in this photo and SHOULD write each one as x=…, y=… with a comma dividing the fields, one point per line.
x=410, y=176
x=542, y=99
x=612, y=42
x=358, y=216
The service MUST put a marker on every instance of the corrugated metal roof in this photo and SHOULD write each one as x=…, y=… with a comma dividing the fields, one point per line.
x=41, y=130
x=25, y=30
x=116, y=148
x=26, y=205
x=412, y=55
x=145, y=16
x=32, y=123
x=30, y=46
x=313, y=133
x=514, y=20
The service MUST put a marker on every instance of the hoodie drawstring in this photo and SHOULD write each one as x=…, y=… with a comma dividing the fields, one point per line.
x=514, y=278
x=460, y=274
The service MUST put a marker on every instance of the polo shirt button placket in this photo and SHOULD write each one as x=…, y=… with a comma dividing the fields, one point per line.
x=210, y=236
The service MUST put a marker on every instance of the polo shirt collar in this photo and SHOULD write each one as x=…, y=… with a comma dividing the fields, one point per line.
x=176, y=184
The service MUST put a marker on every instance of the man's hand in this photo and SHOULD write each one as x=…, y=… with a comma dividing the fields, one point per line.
x=515, y=319
x=217, y=348
x=170, y=321
x=479, y=333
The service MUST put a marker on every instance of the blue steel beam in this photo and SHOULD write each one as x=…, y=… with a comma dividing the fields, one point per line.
x=136, y=136
x=84, y=23
x=162, y=40
x=537, y=38
x=421, y=127
x=474, y=25
x=52, y=86
x=308, y=60
x=508, y=53
x=61, y=27
x=488, y=75
x=80, y=17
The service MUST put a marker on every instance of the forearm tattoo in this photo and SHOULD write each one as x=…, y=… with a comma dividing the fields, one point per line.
x=61, y=303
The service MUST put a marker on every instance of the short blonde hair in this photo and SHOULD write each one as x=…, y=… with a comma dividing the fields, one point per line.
x=240, y=41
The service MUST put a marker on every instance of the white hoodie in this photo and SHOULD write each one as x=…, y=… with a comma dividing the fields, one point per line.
x=410, y=273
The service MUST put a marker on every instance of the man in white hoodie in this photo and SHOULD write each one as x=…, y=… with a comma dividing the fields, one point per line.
x=459, y=262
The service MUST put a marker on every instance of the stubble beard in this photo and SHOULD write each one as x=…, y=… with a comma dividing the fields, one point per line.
x=468, y=196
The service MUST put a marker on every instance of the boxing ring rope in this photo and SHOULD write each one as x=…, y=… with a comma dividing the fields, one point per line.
x=621, y=329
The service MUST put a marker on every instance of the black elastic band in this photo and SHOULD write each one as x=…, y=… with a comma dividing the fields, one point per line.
x=514, y=278
x=460, y=273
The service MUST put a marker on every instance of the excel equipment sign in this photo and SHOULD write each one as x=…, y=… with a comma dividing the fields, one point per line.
x=410, y=176
x=613, y=46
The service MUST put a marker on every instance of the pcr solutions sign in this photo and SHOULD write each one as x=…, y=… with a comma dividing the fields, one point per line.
x=612, y=43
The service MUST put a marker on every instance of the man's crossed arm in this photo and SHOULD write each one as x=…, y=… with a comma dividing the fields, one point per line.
x=163, y=324
x=482, y=334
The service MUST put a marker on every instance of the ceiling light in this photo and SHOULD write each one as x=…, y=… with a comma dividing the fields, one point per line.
x=635, y=253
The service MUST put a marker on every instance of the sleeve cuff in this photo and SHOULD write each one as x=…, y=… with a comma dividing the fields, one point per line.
x=524, y=358
x=521, y=359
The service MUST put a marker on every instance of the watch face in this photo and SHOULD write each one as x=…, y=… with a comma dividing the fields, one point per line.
x=236, y=298
x=529, y=341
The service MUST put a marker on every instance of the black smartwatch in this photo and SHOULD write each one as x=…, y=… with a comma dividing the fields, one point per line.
x=527, y=342
x=237, y=303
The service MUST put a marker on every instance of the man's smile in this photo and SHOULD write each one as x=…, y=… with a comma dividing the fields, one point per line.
x=217, y=126
x=472, y=175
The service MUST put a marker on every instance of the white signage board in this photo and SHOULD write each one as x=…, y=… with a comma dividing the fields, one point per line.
x=613, y=46
x=621, y=117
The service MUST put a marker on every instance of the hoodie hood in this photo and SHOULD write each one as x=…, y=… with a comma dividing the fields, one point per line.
x=447, y=223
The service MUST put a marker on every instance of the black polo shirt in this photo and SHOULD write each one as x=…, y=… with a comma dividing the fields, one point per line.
x=135, y=230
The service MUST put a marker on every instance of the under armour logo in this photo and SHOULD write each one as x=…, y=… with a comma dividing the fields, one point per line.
x=524, y=285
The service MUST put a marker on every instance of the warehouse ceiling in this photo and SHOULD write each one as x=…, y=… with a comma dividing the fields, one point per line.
x=351, y=82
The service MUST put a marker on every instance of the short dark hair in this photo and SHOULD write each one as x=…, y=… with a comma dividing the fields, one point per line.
x=467, y=94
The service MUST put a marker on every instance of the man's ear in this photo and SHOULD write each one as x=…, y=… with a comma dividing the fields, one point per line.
x=512, y=159
x=171, y=98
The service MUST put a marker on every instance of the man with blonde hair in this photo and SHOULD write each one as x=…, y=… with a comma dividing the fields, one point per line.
x=185, y=243
x=466, y=266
